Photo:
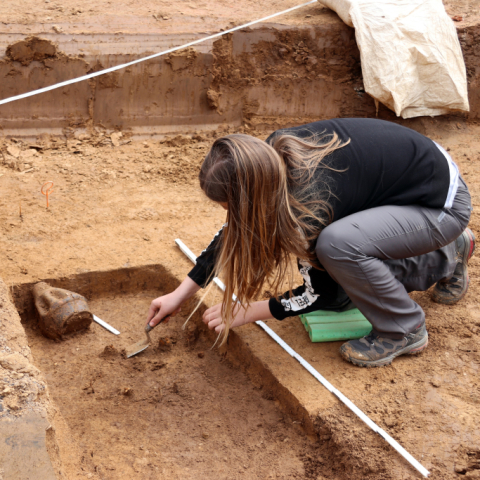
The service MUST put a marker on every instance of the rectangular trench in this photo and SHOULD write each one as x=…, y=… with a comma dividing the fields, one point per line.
x=178, y=409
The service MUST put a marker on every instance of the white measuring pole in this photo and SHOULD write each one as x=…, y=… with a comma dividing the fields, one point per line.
x=149, y=57
x=321, y=379
x=106, y=325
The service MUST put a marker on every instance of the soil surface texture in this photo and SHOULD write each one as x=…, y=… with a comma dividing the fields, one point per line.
x=119, y=199
x=119, y=203
x=171, y=16
x=176, y=410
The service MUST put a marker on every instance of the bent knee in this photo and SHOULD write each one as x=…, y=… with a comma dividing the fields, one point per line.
x=328, y=243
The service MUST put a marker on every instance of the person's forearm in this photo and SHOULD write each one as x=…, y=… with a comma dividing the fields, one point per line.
x=258, y=311
x=187, y=289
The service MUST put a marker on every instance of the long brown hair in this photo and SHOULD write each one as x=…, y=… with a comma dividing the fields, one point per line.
x=277, y=206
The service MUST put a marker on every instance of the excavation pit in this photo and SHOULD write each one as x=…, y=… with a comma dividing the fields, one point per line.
x=120, y=202
x=176, y=410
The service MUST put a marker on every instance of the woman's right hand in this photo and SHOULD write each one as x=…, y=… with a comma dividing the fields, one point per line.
x=170, y=304
x=162, y=307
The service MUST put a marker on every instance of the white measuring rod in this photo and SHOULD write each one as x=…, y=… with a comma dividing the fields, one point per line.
x=106, y=325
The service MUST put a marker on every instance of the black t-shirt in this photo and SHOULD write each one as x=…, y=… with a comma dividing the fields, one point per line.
x=384, y=164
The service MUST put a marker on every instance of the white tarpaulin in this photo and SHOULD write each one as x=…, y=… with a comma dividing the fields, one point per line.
x=410, y=54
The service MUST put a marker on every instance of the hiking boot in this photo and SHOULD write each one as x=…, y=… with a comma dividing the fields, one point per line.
x=452, y=290
x=377, y=351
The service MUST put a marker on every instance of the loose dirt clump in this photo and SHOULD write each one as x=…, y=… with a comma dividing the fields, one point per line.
x=31, y=49
x=182, y=59
x=109, y=351
x=165, y=344
x=468, y=461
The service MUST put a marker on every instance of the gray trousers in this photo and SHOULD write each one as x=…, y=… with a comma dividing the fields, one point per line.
x=381, y=254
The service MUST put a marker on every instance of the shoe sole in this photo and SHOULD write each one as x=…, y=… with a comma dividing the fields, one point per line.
x=453, y=300
x=413, y=349
x=467, y=255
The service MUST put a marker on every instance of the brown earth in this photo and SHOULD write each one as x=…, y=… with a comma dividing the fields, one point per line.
x=118, y=202
x=164, y=15
x=122, y=206
x=295, y=65
x=175, y=411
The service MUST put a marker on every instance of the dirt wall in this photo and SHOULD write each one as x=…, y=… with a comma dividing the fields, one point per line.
x=470, y=41
x=255, y=76
x=28, y=442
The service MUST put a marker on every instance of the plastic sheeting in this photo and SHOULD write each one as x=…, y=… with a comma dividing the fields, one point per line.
x=410, y=54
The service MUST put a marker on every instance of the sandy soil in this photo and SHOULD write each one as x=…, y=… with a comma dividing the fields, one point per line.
x=118, y=202
x=116, y=206
x=173, y=411
x=167, y=16
x=163, y=17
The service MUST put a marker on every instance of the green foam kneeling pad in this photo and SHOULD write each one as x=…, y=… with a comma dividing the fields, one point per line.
x=325, y=326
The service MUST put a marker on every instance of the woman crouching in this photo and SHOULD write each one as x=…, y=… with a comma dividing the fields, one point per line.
x=371, y=211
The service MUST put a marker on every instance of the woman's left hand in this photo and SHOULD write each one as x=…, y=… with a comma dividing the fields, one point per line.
x=213, y=317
